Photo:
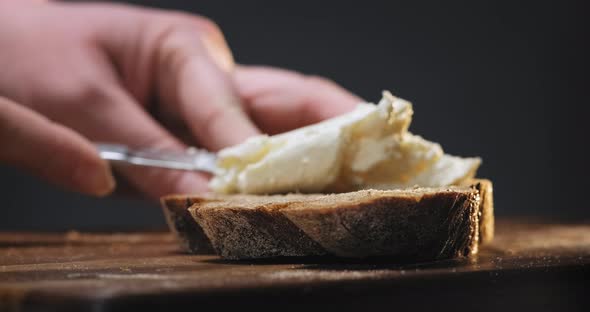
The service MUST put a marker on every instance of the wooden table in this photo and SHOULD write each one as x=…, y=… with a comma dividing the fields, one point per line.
x=529, y=266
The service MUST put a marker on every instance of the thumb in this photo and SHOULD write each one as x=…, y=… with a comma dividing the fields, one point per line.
x=50, y=151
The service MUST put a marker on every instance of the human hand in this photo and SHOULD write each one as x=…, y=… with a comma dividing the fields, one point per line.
x=34, y=143
x=146, y=78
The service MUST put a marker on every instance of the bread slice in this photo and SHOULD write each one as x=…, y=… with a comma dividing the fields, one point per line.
x=413, y=224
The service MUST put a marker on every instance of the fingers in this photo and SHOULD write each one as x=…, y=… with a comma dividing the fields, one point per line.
x=203, y=94
x=189, y=64
x=281, y=100
x=118, y=119
x=51, y=151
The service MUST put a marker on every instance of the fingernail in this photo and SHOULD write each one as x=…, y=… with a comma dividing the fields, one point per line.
x=97, y=181
x=106, y=184
x=219, y=53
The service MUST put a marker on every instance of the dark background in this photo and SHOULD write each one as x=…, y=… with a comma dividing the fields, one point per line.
x=504, y=80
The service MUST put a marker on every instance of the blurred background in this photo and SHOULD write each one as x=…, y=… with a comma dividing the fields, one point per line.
x=504, y=80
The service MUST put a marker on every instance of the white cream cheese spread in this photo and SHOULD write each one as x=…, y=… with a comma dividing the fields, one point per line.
x=369, y=147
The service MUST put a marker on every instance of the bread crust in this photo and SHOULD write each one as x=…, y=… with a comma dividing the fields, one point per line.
x=437, y=225
x=486, y=208
x=189, y=233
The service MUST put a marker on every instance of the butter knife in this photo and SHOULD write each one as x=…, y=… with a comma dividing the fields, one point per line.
x=193, y=159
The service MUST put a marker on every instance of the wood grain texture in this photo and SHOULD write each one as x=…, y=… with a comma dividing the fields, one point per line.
x=545, y=266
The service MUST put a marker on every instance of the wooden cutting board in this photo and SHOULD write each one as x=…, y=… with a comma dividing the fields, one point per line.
x=539, y=266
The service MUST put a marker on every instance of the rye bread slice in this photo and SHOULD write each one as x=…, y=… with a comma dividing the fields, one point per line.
x=417, y=224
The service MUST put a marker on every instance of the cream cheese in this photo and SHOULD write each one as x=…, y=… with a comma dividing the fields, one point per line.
x=367, y=147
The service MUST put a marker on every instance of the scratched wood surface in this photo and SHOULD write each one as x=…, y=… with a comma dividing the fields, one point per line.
x=529, y=265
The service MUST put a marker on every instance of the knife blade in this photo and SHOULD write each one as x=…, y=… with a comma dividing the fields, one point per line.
x=193, y=159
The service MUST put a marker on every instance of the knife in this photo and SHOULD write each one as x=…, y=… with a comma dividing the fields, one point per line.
x=193, y=158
